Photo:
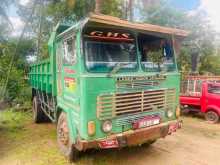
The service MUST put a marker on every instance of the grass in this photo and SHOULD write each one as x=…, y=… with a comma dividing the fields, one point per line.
x=12, y=122
x=24, y=143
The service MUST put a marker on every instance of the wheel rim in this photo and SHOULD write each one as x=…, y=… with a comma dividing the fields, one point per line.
x=211, y=116
x=63, y=133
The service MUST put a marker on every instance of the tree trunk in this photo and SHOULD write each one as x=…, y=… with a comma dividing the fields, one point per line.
x=130, y=10
x=194, y=60
x=98, y=5
x=71, y=4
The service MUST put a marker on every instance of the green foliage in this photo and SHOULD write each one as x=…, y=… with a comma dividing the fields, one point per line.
x=156, y=57
x=113, y=8
x=13, y=120
x=165, y=16
x=17, y=87
x=184, y=60
x=77, y=9
x=210, y=64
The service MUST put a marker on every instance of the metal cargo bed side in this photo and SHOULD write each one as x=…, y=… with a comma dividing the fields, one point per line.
x=190, y=100
x=41, y=76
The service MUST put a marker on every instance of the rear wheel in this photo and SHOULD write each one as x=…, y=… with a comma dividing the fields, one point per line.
x=212, y=117
x=38, y=114
x=63, y=139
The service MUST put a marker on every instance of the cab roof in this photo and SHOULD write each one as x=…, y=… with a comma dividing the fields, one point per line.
x=101, y=20
x=144, y=27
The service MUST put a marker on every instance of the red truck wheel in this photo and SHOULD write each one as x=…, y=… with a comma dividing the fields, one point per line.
x=212, y=117
x=38, y=114
x=63, y=139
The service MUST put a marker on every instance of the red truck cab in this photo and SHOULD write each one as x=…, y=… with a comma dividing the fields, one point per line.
x=203, y=97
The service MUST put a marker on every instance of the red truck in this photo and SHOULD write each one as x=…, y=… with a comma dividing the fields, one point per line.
x=202, y=94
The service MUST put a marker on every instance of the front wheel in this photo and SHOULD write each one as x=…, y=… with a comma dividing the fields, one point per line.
x=63, y=139
x=212, y=117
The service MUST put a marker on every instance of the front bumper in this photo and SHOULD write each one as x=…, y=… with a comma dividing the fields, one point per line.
x=133, y=137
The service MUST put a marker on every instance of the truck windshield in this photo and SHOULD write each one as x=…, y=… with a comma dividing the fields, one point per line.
x=157, y=54
x=103, y=56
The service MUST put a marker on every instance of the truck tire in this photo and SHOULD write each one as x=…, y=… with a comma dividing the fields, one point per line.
x=38, y=114
x=212, y=117
x=63, y=139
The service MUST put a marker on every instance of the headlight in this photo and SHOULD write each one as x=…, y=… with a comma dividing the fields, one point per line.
x=169, y=113
x=107, y=126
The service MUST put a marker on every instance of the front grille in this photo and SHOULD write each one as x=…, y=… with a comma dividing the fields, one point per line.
x=138, y=82
x=126, y=120
x=113, y=105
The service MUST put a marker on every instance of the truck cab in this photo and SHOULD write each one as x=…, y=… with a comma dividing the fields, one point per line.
x=109, y=83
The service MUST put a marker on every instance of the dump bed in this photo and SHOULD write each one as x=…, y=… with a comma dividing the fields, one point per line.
x=191, y=89
x=190, y=100
x=40, y=76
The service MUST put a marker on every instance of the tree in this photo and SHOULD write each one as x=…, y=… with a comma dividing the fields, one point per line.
x=16, y=82
x=130, y=10
x=98, y=5
x=200, y=42
x=113, y=8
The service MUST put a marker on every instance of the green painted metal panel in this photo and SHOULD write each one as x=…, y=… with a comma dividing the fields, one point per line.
x=77, y=90
x=40, y=76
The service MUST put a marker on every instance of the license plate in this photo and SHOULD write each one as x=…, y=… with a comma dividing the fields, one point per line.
x=146, y=122
x=110, y=143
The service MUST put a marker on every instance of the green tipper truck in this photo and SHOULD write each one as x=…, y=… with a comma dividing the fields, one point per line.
x=108, y=83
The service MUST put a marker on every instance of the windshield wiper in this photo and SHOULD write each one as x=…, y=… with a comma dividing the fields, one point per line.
x=116, y=68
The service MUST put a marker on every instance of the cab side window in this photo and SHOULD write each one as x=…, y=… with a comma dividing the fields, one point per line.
x=69, y=46
x=214, y=89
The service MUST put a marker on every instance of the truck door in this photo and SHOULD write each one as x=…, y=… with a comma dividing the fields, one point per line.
x=66, y=68
x=59, y=54
x=213, y=96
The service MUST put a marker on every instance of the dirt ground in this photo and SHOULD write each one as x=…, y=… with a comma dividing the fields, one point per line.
x=25, y=143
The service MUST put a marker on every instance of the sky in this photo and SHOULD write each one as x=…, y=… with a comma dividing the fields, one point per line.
x=186, y=4
x=211, y=7
x=15, y=19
